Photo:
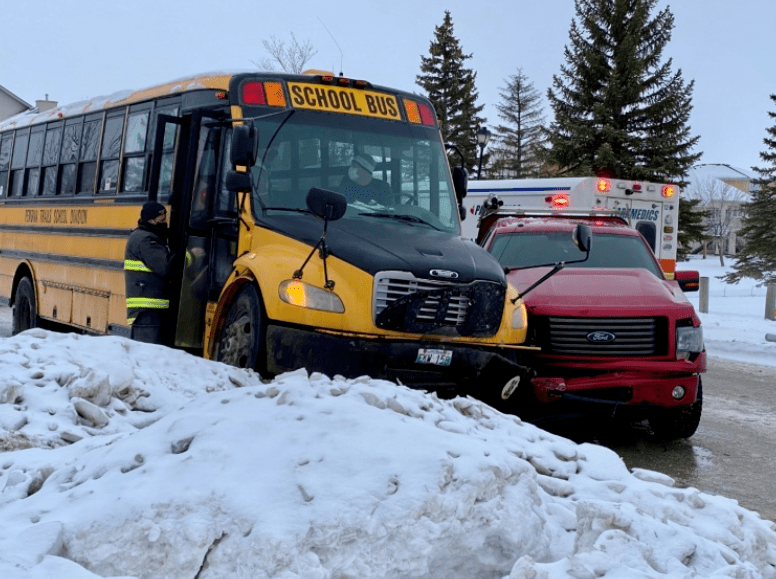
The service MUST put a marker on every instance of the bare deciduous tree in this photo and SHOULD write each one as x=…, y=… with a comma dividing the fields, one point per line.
x=291, y=56
x=723, y=203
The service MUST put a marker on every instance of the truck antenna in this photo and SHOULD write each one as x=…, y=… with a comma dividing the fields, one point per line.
x=342, y=56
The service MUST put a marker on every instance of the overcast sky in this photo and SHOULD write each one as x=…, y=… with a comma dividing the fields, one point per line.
x=76, y=49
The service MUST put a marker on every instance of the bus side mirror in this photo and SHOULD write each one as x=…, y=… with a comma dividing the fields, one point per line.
x=327, y=205
x=460, y=182
x=583, y=237
x=245, y=145
x=238, y=182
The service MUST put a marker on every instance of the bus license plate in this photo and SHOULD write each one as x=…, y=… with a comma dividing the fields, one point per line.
x=432, y=356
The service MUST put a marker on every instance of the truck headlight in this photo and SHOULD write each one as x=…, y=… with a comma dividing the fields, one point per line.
x=299, y=293
x=689, y=340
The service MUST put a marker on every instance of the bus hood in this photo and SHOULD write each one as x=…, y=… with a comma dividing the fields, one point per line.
x=601, y=292
x=385, y=245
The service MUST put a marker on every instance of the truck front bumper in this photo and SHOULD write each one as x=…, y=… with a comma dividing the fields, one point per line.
x=621, y=388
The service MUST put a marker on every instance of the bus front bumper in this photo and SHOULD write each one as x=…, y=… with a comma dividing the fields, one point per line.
x=447, y=368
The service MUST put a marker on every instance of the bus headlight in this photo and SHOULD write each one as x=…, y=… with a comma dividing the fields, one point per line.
x=519, y=317
x=299, y=293
x=689, y=340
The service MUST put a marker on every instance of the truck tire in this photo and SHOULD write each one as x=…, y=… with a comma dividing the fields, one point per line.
x=243, y=335
x=25, y=310
x=671, y=423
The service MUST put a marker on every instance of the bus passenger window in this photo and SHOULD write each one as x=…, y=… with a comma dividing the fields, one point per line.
x=109, y=154
x=5, y=161
x=68, y=158
x=17, y=162
x=34, y=157
x=134, y=152
x=50, y=158
x=87, y=162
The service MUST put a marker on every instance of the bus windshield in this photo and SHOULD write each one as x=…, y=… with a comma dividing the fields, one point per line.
x=410, y=181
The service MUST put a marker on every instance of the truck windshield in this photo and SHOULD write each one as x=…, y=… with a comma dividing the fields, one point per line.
x=387, y=170
x=608, y=251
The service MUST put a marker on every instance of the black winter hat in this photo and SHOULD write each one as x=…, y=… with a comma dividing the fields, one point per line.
x=151, y=210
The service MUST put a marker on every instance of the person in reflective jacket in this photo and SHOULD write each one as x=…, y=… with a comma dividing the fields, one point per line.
x=146, y=275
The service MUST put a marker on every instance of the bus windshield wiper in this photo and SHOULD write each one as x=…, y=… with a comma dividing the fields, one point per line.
x=401, y=217
x=292, y=209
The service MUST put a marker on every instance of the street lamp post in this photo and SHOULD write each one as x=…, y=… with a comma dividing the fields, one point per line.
x=483, y=136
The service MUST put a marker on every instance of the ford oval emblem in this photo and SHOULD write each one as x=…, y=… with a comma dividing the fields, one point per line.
x=601, y=337
x=444, y=273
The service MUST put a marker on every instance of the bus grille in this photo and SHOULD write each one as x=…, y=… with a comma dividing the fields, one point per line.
x=403, y=302
x=602, y=336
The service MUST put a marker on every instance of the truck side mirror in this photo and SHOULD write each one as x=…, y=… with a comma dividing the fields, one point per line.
x=583, y=237
x=689, y=280
x=245, y=145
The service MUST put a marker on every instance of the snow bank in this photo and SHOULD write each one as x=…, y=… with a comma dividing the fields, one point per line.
x=125, y=459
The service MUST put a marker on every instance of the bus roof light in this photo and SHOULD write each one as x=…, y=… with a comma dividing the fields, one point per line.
x=668, y=190
x=253, y=93
x=426, y=115
x=343, y=81
x=604, y=185
x=360, y=83
x=275, y=95
x=636, y=187
x=413, y=114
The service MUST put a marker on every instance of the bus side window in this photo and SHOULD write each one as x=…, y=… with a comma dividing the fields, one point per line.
x=68, y=159
x=87, y=161
x=134, y=160
x=18, y=158
x=5, y=161
x=649, y=231
x=109, y=154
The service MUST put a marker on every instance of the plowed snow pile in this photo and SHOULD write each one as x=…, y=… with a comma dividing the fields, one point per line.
x=125, y=459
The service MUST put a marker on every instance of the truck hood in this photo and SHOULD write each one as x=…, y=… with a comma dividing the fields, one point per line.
x=381, y=245
x=598, y=291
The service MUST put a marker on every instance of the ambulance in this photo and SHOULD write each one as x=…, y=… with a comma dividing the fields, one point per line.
x=652, y=209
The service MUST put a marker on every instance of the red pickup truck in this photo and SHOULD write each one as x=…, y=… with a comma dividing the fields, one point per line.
x=613, y=332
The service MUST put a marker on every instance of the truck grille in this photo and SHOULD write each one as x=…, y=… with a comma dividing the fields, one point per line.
x=403, y=302
x=602, y=336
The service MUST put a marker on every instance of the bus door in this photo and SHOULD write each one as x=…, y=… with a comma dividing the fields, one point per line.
x=206, y=230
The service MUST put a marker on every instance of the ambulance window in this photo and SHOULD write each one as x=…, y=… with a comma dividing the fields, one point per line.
x=649, y=231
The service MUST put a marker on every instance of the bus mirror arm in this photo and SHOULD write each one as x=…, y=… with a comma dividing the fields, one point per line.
x=329, y=206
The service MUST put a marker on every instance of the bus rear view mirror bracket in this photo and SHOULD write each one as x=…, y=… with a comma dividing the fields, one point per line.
x=583, y=239
x=329, y=206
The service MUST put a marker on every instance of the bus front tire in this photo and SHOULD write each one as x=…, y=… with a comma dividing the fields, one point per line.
x=242, y=337
x=25, y=312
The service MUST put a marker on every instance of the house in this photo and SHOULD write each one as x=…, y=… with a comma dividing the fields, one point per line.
x=724, y=192
x=10, y=104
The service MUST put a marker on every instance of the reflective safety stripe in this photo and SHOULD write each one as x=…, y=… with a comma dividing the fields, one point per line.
x=130, y=321
x=135, y=265
x=148, y=303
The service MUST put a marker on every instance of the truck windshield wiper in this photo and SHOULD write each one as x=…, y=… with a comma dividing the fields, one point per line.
x=401, y=217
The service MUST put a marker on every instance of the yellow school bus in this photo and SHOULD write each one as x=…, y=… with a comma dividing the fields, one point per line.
x=291, y=272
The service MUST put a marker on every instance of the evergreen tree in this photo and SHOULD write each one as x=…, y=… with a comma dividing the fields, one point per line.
x=692, y=225
x=618, y=111
x=757, y=258
x=521, y=136
x=450, y=86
